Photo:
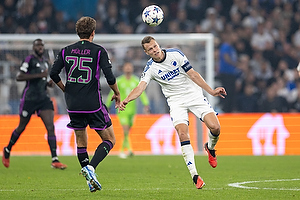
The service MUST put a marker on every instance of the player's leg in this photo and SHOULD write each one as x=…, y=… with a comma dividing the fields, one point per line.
x=125, y=143
x=188, y=154
x=47, y=117
x=81, y=141
x=87, y=171
x=179, y=116
x=108, y=141
x=125, y=121
x=14, y=138
x=212, y=123
x=126, y=125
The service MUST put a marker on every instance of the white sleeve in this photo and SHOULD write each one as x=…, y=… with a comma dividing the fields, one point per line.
x=298, y=67
x=24, y=67
x=146, y=75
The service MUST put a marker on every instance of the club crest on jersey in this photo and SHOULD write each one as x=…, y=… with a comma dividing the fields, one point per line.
x=174, y=63
x=171, y=74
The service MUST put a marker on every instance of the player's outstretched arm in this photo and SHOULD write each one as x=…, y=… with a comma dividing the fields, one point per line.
x=198, y=79
x=135, y=93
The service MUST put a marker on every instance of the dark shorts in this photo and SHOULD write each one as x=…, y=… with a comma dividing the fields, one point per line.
x=99, y=120
x=27, y=108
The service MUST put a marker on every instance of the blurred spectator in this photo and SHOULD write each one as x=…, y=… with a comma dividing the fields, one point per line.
x=261, y=40
x=112, y=17
x=228, y=71
x=247, y=100
x=212, y=23
x=242, y=7
x=253, y=19
x=271, y=102
x=195, y=9
x=185, y=25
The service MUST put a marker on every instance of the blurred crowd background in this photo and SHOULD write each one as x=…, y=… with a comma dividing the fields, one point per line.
x=263, y=37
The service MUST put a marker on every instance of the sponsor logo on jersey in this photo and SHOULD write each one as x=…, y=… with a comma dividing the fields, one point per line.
x=171, y=74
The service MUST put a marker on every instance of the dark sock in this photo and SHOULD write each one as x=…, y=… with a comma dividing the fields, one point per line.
x=13, y=139
x=6, y=154
x=101, y=152
x=185, y=143
x=52, y=145
x=195, y=178
x=82, y=156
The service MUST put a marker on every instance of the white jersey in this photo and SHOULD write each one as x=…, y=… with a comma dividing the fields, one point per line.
x=172, y=77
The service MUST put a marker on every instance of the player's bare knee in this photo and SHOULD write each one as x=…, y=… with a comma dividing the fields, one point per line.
x=215, y=130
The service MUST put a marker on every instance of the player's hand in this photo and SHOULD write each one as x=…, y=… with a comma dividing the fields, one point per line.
x=219, y=91
x=123, y=105
x=117, y=99
x=50, y=83
x=44, y=73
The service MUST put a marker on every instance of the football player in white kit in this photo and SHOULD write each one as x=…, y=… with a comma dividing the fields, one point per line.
x=182, y=86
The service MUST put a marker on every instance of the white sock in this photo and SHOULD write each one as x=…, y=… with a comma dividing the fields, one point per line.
x=188, y=156
x=91, y=168
x=54, y=158
x=212, y=141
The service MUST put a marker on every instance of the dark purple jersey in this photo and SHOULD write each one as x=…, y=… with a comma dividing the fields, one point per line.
x=82, y=63
x=35, y=89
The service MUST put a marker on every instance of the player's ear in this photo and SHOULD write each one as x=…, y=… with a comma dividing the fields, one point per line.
x=92, y=35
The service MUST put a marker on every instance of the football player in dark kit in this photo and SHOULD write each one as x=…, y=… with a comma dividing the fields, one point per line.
x=34, y=70
x=82, y=63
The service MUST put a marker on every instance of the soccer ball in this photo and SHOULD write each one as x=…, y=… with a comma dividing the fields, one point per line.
x=152, y=15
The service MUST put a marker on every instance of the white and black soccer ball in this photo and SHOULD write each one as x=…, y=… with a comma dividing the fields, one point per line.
x=153, y=15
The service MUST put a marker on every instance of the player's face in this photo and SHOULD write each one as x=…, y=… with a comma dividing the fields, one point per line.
x=128, y=68
x=38, y=47
x=153, y=50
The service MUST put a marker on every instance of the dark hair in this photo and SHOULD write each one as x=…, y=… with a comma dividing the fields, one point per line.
x=37, y=40
x=146, y=39
x=85, y=27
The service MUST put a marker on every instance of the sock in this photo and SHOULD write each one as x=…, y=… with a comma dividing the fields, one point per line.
x=212, y=140
x=6, y=152
x=13, y=139
x=101, y=152
x=55, y=159
x=82, y=156
x=188, y=156
x=52, y=145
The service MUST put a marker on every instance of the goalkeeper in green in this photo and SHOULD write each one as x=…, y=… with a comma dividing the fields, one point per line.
x=126, y=83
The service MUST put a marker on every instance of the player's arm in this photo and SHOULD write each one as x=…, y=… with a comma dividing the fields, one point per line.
x=55, y=71
x=109, y=98
x=116, y=96
x=22, y=76
x=134, y=94
x=198, y=79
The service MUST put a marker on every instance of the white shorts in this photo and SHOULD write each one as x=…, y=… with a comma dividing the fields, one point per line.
x=179, y=111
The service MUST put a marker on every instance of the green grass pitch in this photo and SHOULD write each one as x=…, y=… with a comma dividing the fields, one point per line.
x=154, y=177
